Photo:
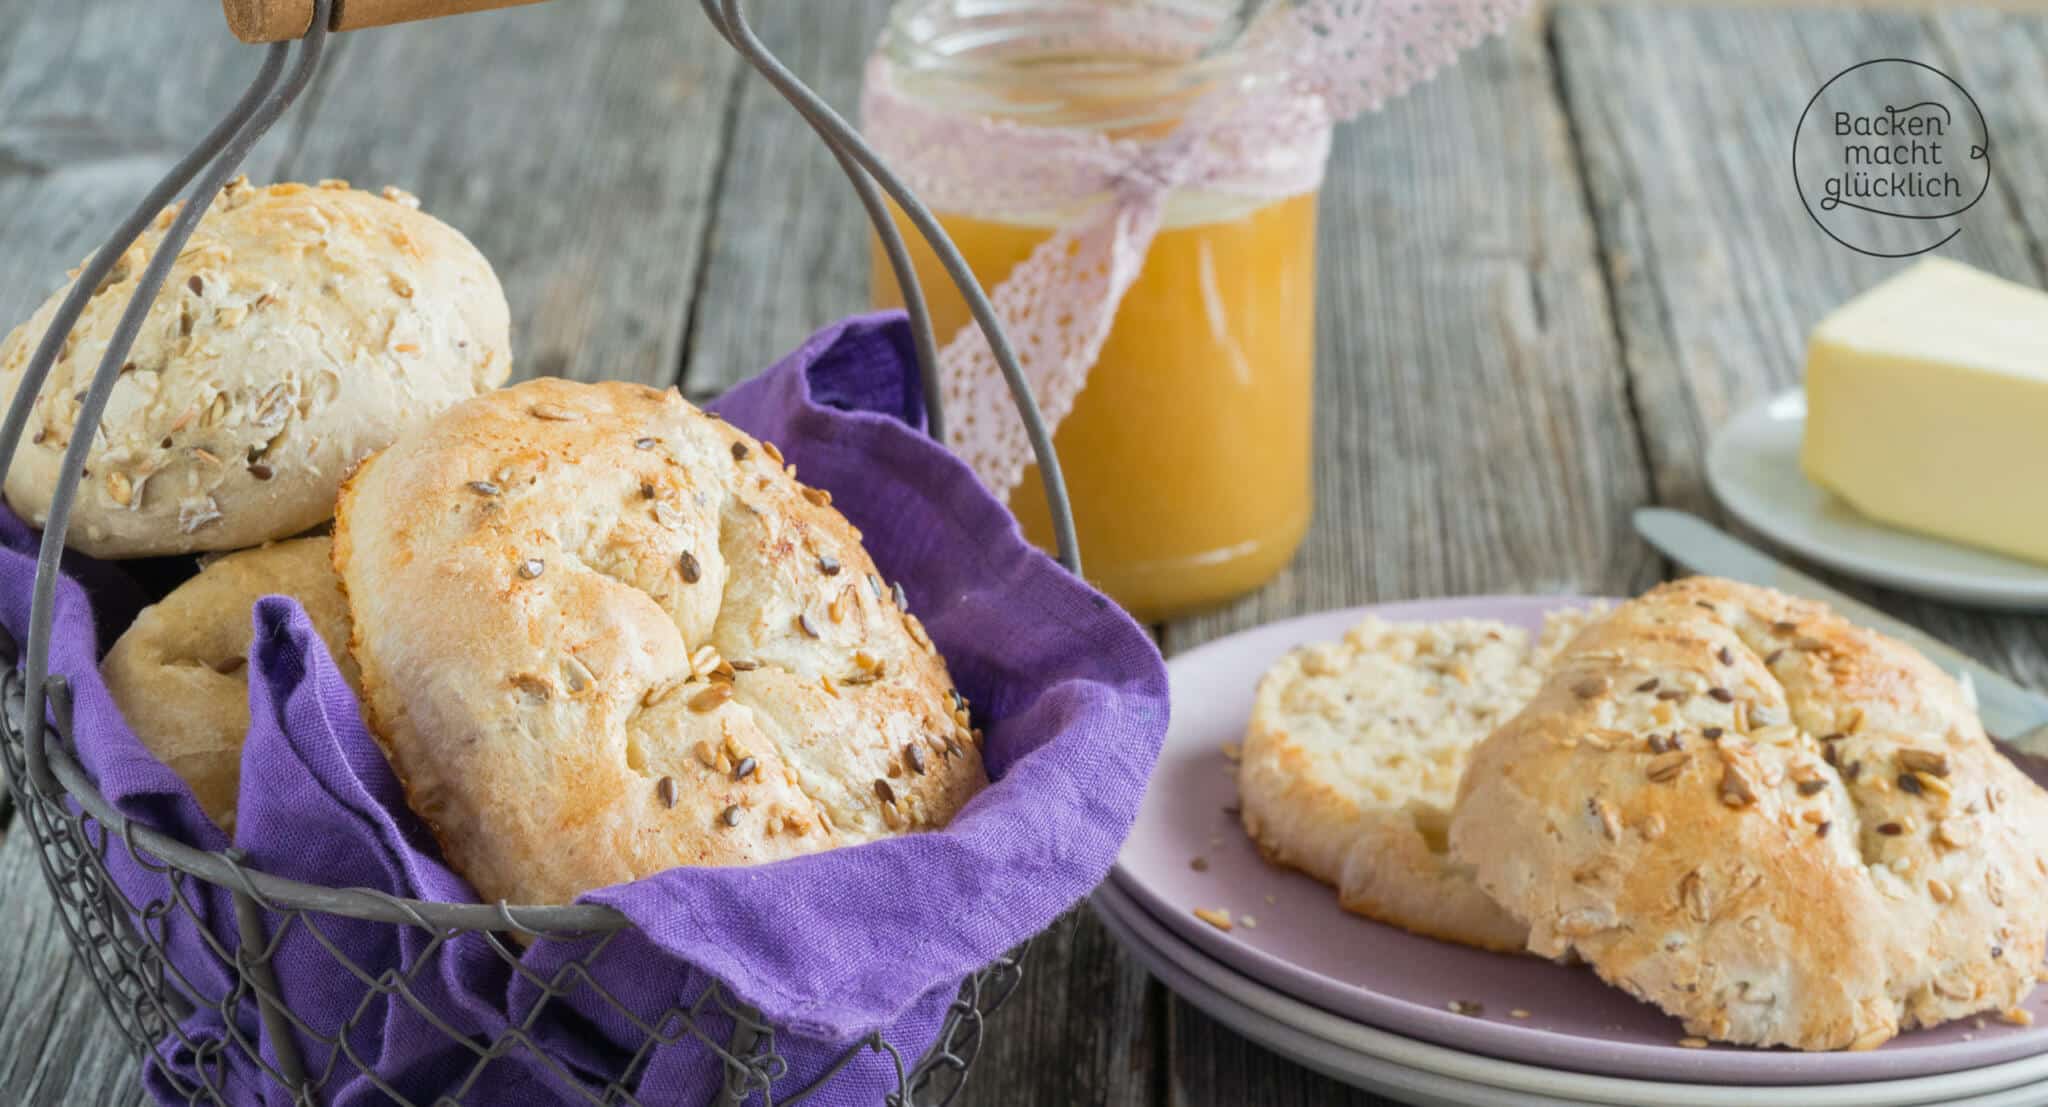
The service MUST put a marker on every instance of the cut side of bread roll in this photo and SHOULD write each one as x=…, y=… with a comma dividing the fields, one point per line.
x=1779, y=827
x=1352, y=760
x=180, y=673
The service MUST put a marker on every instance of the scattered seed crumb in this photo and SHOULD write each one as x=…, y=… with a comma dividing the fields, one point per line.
x=1968, y=1037
x=1693, y=1043
x=1218, y=917
x=1269, y=901
x=1199, y=864
x=1518, y=1013
x=1248, y=922
x=1234, y=811
x=1978, y=1022
x=1465, y=1007
x=1216, y=839
x=2016, y=1016
x=1232, y=750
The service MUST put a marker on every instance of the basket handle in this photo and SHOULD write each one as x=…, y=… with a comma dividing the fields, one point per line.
x=280, y=20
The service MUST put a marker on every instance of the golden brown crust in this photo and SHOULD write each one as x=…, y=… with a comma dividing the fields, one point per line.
x=180, y=672
x=604, y=634
x=301, y=329
x=1782, y=828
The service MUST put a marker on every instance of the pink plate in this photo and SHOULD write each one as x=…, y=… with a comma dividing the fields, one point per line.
x=1304, y=945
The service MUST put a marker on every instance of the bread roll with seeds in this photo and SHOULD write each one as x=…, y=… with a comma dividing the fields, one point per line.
x=300, y=330
x=604, y=634
x=1781, y=828
x=1353, y=755
x=180, y=672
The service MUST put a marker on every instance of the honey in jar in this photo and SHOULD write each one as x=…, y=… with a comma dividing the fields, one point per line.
x=1187, y=452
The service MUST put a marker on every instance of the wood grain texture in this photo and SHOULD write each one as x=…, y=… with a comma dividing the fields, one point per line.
x=575, y=143
x=1473, y=431
x=57, y=1044
x=88, y=122
x=1717, y=271
x=787, y=254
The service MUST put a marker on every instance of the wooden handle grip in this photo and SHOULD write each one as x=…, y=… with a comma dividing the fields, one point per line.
x=278, y=20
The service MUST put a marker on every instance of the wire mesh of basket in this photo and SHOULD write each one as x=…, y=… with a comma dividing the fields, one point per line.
x=82, y=839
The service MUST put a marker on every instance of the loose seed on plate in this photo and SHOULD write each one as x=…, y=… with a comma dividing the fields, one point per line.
x=1199, y=864
x=1218, y=917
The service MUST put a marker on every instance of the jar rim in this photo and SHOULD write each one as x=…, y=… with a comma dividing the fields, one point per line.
x=1106, y=66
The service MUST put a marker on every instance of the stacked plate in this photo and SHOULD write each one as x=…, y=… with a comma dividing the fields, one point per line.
x=1432, y=1023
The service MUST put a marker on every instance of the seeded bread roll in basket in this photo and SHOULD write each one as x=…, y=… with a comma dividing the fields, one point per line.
x=299, y=331
x=180, y=673
x=1779, y=827
x=604, y=634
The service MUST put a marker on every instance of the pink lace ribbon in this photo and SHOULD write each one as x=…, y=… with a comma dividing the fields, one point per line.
x=1317, y=63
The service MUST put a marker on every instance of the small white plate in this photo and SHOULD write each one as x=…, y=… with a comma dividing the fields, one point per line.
x=1753, y=467
x=1421, y=1073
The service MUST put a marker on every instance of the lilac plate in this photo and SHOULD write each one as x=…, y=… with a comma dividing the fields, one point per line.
x=1301, y=943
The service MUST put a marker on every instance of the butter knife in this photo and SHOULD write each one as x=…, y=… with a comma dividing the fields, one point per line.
x=2015, y=715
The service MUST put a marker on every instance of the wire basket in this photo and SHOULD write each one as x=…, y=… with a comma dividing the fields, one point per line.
x=76, y=830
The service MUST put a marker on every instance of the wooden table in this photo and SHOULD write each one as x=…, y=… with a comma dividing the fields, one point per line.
x=1547, y=276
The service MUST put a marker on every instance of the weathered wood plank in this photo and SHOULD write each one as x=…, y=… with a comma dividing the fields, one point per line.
x=576, y=144
x=1473, y=434
x=787, y=254
x=1473, y=429
x=1717, y=271
x=57, y=1044
x=89, y=120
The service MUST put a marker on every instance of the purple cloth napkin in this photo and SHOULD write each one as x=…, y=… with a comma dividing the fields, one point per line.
x=832, y=948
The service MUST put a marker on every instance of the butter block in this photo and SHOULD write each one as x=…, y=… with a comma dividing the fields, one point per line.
x=1927, y=407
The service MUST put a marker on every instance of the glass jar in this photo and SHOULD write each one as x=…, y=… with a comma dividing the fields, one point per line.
x=1187, y=451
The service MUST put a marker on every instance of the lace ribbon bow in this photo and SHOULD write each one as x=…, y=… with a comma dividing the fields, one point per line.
x=1262, y=139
